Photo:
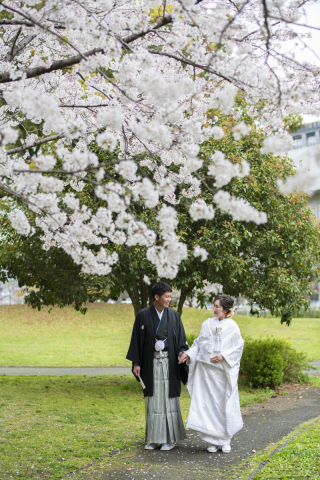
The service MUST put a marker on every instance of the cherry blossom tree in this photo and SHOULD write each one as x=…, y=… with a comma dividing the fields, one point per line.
x=139, y=77
x=271, y=264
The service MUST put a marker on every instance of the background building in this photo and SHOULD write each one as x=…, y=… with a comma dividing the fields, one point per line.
x=306, y=152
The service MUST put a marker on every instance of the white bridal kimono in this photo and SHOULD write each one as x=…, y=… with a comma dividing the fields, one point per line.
x=215, y=407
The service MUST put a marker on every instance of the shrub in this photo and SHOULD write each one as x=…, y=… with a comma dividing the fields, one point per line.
x=270, y=362
x=190, y=339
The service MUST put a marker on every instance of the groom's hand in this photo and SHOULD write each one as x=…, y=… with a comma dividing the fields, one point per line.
x=136, y=370
x=182, y=357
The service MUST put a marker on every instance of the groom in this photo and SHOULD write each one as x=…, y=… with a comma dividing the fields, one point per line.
x=157, y=339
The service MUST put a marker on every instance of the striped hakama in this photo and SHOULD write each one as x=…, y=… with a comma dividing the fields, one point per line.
x=164, y=422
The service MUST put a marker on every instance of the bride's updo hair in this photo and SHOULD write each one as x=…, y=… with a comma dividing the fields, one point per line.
x=226, y=302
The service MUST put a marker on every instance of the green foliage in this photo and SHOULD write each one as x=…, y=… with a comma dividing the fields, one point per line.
x=191, y=338
x=270, y=264
x=5, y=14
x=53, y=277
x=269, y=362
x=294, y=123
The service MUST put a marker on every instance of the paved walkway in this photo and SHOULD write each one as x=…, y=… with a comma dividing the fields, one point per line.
x=264, y=423
x=91, y=370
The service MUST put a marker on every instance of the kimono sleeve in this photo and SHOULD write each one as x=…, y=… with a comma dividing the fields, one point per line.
x=234, y=353
x=182, y=343
x=181, y=346
x=135, y=343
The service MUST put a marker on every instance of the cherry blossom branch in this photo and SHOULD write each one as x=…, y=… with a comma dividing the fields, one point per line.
x=85, y=106
x=6, y=21
x=16, y=49
x=161, y=23
x=10, y=55
x=165, y=20
x=57, y=65
x=289, y=22
x=184, y=59
x=27, y=23
x=38, y=24
x=35, y=144
x=266, y=24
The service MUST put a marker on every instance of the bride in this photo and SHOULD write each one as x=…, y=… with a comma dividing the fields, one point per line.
x=213, y=379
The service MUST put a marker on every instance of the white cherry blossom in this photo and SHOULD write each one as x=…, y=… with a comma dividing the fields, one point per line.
x=200, y=252
x=136, y=81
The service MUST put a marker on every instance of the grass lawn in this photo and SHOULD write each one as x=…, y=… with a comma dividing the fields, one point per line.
x=65, y=337
x=299, y=459
x=51, y=426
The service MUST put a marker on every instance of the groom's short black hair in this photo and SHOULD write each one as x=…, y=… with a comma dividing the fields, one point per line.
x=160, y=288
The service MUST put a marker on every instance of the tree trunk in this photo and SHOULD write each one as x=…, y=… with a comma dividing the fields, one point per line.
x=141, y=296
x=144, y=294
x=134, y=294
x=185, y=292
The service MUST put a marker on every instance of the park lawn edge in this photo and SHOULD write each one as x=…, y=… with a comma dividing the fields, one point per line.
x=252, y=463
x=102, y=336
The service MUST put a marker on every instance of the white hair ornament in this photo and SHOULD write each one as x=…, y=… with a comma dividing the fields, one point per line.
x=232, y=311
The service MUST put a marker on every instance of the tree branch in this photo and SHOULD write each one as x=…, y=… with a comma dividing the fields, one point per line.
x=57, y=65
x=26, y=23
x=16, y=49
x=6, y=21
x=35, y=144
x=9, y=56
x=161, y=23
x=84, y=106
x=190, y=62
x=70, y=61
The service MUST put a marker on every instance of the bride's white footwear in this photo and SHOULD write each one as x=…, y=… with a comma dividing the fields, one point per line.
x=226, y=448
x=212, y=449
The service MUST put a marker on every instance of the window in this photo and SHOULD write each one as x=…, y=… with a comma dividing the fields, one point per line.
x=311, y=138
x=298, y=141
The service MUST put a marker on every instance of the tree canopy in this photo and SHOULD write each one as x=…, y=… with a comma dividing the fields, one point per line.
x=271, y=264
x=139, y=78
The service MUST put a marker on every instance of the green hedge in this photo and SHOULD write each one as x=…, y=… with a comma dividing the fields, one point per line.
x=270, y=362
x=190, y=339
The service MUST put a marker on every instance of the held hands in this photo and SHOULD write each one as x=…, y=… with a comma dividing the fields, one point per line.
x=136, y=370
x=182, y=357
x=217, y=358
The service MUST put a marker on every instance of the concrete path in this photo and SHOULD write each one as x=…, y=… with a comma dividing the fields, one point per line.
x=314, y=372
x=92, y=370
x=264, y=423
